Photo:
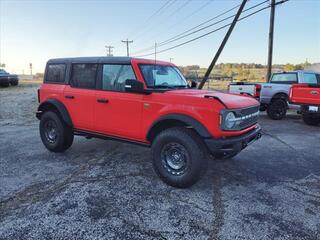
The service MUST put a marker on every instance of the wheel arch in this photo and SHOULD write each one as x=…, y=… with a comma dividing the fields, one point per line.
x=176, y=120
x=280, y=95
x=56, y=105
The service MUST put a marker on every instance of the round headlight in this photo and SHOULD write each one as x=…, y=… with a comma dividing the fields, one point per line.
x=230, y=120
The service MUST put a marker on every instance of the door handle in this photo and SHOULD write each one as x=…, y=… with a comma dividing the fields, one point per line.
x=69, y=96
x=102, y=100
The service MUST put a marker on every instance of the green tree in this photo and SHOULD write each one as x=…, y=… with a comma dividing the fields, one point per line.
x=288, y=67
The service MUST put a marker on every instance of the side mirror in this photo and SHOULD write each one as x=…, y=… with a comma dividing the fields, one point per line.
x=193, y=84
x=134, y=86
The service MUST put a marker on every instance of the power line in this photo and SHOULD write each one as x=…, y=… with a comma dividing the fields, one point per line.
x=184, y=4
x=199, y=25
x=206, y=34
x=222, y=45
x=210, y=25
x=188, y=32
x=181, y=20
x=159, y=12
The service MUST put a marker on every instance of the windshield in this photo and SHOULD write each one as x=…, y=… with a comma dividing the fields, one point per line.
x=160, y=76
x=3, y=71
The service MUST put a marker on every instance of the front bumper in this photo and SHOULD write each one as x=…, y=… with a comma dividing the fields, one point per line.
x=4, y=80
x=312, y=109
x=14, y=80
x=233, y=144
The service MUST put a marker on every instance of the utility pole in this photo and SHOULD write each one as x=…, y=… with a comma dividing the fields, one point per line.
x=271, y=31
x=127, y=42
x=109, y=50
x=214, y=60
x=30, y=66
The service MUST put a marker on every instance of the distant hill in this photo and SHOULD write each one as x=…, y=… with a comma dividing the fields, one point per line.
x=243, y=71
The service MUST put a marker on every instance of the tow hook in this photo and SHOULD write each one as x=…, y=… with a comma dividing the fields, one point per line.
x=246, y=143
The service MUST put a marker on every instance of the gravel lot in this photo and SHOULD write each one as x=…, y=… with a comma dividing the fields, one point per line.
x=108, y=190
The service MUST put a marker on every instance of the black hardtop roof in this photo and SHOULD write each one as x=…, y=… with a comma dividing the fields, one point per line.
x=120, y=60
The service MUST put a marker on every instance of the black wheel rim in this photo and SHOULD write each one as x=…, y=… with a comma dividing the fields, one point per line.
x=279, y=109
x=174, y=158
x=51, y=131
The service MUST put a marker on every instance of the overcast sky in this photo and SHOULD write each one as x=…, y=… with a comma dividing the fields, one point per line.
x=35, y=31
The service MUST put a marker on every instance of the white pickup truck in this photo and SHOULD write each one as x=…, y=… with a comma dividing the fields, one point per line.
x=274, y=95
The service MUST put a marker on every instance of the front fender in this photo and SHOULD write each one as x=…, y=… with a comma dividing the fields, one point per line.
x=189, y=121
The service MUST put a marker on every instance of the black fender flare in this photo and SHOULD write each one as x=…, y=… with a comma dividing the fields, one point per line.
x=48, y=104
x=187, y=120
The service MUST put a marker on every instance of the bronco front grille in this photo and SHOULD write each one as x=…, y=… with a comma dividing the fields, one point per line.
x=249, y=115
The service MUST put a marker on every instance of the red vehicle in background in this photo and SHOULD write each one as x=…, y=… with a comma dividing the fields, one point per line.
x=308, y=96
x=145, y=102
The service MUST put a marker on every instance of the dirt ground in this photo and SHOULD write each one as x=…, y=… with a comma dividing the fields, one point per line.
x=108, y=190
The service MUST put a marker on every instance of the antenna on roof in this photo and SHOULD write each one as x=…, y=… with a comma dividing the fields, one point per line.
x=155, y=53
x=155, y=61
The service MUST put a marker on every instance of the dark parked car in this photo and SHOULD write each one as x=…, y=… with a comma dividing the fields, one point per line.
x=6, y=79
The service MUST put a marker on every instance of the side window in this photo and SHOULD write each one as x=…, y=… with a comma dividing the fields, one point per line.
x=114, y=76
x=309, y=78
x=84, y=75
x=285, y=78
x=55, y=73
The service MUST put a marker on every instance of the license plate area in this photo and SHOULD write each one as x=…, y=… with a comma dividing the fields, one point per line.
x=313, y=108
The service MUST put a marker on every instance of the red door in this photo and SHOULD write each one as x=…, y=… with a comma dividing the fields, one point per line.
x=117, y=112
x=80, y=105
x=79, y=96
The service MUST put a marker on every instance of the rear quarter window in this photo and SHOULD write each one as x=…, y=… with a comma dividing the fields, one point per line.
x=310, y=78
x=84, y=75
x=55, y=73
x=285, y=78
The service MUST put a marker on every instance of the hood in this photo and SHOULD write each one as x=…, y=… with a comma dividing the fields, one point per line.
x=229, y=100
x=8, y=75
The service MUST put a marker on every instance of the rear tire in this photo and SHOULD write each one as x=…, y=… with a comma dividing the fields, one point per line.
x=277, y=109
x=15, y=83
x=179, y=157
x=55, y=134
x=311, y=119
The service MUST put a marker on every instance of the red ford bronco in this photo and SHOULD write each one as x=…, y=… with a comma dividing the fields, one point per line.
x=308, y=96
x=145, y=102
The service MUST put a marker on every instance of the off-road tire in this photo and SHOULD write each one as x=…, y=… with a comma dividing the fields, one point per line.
x=195, y=156
x=311, y=119
x=14, y=83
x=63, y=133
x=277, y=109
